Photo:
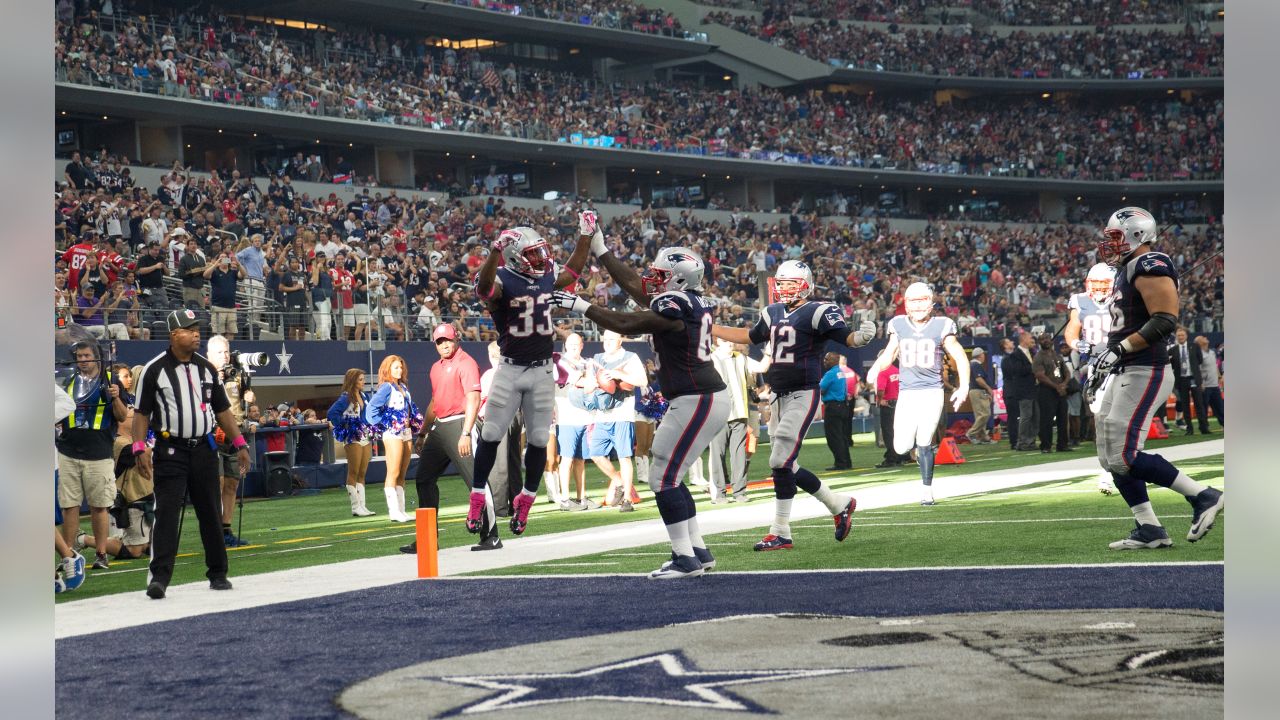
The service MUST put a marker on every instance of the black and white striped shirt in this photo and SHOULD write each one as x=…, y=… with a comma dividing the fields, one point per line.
x=181, y=397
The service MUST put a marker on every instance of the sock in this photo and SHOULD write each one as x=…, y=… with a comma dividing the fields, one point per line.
x=535, y=461
x=674, y=512
x=486, y=456
x=814, y=485
x=1186, y=486
x=1143, y=513
x=691, y=508
x=924, y=454
x=781, y=518
x=1153, y=469
x=1133, y=490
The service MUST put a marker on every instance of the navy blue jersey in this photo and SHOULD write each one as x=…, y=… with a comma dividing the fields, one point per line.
x=684, y=356
x=1129, y=310
x=799, y=339
x=522, y=315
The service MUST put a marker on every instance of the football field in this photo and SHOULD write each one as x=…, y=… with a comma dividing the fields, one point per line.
x=1001, y=600
x=1053, y=522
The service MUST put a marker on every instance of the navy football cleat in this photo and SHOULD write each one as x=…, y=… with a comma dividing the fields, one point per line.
x=844, y=520
x=704, y=556
x=1147, y=537
x=773, y=542
x=681, y=566
x=1204, y=510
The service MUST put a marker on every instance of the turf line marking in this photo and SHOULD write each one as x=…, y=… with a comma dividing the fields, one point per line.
x=851, y=571
x=633, y=554
x=243, y=547
x=975, y=522
x=360, y=532
x=297, y=540
x=308, y=547
x=583, y=564
x=384, y=537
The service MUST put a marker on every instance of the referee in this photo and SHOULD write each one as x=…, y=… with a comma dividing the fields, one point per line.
x=180, y=393
x=449, y=420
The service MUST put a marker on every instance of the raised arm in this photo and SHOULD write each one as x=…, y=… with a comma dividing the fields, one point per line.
x=588, y=226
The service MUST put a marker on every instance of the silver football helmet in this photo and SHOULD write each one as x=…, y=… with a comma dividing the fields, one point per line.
x=1125, y=231
x=675, y=269
x=1099, y=282
x=525, y=251
x=793, y=281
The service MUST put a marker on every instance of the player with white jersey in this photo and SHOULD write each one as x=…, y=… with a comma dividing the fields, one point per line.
x=1087, y=328
x=798, y=330
x=679, y=324
x=518, y=296
x=918, y=340
x=1131, y=376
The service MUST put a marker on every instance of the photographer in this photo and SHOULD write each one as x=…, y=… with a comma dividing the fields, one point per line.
x=237, y=381
x=84, y=443
x=223, y=276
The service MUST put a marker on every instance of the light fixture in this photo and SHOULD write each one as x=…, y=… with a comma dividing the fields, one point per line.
x=1046, y=96
x=219, y=131
x=104, y=117
x=351, y=145
x=727, y=78
x=64, y=112
x=317, y=141
x=255, y=134
x=1079, y=199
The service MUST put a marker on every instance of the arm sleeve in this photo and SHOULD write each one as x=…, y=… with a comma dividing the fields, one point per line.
x=337, y=408
x=377, y=403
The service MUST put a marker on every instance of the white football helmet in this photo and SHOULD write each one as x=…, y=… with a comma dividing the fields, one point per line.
x=1125, y=231
x=919, y=301
x=1099, y=281
x=793, y=281
x=525, y=251
x=675, y=269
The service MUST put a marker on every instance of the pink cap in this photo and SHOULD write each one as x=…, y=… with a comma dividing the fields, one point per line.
x=444, y=331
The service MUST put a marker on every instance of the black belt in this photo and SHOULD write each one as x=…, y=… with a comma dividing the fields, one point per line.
x=517, y=363
x=189, y=443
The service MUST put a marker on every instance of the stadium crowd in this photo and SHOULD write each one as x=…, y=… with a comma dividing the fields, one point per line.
x=373, y=77
x=1001, y=12
x=386, y=267
x=613, y=14
x=965, y=51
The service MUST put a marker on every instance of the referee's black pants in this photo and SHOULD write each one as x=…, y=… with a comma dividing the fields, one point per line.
x=1053, y=410
x=177, y=471
x=835, y=424
x=438, y=451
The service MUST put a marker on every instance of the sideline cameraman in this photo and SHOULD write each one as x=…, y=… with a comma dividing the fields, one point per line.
x=237, y=383
x=86, y=468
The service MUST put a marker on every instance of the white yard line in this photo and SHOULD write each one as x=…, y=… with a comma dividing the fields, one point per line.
x=122, y=610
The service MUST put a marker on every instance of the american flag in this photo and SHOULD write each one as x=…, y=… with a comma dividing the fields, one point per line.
x=491, y=79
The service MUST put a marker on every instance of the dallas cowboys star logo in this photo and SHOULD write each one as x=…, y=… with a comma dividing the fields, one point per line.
x=667, y=678
x=284, y=356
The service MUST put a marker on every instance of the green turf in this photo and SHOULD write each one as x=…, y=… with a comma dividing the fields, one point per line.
x=1058, y=522
x=318, y=529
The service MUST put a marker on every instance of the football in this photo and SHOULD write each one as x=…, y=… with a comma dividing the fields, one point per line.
x=606, y=383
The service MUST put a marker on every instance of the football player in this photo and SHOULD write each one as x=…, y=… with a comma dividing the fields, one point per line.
x=1131, y=376
x=798, y=329
x=917, y=340
x=679, y=324
x=518, y=296
x=1087, y=327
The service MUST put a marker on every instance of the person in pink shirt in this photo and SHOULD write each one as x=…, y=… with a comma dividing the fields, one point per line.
x=887, y=399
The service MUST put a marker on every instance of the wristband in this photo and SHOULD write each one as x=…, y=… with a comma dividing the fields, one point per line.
x=239, y=442
x=569, y=270
x=1126, y=346
x=139, y=447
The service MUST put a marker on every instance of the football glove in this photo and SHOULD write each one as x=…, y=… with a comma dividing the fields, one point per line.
x=1101, y=368
x=570, y=302
x=958, y=397
x=588, y=222
x=1084, y=347
x=865, y=333
x=504, y=239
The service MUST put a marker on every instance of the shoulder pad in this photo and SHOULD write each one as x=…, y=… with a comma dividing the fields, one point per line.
x=670, y=304
x=1152, y=263
x=830, y=312
x=1074, y=302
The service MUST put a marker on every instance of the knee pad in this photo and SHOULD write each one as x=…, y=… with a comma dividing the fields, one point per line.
x=494, y=434
x=539, y=436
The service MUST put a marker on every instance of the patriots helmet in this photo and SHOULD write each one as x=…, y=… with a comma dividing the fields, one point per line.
x=1126, y=229
x=524, y=251
x=793, y=281
x=1099, y=281
x=919, y=301
x=674, y=269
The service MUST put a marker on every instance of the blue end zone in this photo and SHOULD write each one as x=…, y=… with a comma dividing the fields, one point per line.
x=293, y=659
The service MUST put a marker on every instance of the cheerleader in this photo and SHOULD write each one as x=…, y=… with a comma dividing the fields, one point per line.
x=349, y=428
x=392, y=413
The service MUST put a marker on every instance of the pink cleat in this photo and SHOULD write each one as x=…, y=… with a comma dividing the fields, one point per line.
x=521, y=506
x=474, y=512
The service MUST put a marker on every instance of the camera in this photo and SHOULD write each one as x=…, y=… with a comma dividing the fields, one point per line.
x=248, y=361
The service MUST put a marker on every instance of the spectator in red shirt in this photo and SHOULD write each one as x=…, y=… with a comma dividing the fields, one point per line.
x=887, y=399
